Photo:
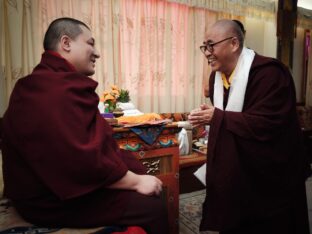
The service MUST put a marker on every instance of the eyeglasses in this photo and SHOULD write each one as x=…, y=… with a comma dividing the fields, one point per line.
x=209, y=46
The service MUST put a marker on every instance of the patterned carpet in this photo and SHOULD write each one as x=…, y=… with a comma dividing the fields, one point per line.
x=190, y=212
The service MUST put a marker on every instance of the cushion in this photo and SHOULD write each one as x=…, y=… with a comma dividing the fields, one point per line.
x=12, y=223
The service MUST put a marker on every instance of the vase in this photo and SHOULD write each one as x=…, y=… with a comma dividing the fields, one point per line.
x=110, y=106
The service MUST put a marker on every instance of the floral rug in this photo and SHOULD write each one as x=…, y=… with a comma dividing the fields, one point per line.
x=190, y=212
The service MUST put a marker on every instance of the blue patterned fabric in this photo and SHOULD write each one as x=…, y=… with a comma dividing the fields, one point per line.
x=148, y=134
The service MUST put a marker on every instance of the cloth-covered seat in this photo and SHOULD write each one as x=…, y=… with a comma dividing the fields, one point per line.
x=12, y=223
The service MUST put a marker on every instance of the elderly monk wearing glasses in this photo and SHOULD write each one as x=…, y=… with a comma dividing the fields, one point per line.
x=256, y=166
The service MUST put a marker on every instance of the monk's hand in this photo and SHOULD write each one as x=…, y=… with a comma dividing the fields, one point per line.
x=205, y=106
x=149, y=185
x=201, y=116
x=144, y=184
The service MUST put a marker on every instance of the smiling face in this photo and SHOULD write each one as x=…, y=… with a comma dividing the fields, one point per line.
x=224, y=55
x=81, y=52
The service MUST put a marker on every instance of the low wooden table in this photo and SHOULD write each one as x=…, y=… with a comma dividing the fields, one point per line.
x=188, y=164
x=162, y=160
x=194, y=159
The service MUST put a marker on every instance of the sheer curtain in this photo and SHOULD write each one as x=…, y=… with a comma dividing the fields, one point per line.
x=19, y=44
x=160, y=60
x=150, y=47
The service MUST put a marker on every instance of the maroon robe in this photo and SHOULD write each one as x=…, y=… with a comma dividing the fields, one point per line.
x=58, y=151
x=256, y=166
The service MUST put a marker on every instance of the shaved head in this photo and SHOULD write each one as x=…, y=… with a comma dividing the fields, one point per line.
x=229, y=28
x=223, y=46
x=59, y=27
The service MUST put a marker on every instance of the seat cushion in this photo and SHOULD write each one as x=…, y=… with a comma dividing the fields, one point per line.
x=12, y=223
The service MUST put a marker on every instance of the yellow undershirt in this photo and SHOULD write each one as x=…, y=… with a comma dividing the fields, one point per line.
x=227, y=83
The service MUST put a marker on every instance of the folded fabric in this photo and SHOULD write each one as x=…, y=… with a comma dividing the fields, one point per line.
x=126, y=105
x=120, y=230
x=134, y=112
x=138, y=119
x=104, y=230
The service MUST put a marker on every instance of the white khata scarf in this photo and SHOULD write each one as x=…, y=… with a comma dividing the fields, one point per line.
x=238, y=85
x=236, y=95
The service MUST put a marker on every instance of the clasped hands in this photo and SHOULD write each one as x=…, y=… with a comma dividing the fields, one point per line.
x=202, y=115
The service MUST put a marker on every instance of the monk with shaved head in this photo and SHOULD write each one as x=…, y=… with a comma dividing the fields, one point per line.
x=256, y=166
x=61, y=165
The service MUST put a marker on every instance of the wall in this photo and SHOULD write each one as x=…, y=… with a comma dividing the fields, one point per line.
x=297, y=69
x=256, y=34
x=2, y=45
x=2, y=94
x=255, y=39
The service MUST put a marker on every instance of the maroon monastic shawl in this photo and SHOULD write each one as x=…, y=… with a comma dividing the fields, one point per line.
x=58, y=152
x=255, y=162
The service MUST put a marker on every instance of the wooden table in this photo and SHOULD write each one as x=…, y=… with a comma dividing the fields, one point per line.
x=194, y=159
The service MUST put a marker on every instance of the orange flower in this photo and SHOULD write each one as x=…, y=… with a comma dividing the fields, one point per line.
x=105, y=93
x=102, y=98
x=115, y=92
x=114, y=87
x=109, y=97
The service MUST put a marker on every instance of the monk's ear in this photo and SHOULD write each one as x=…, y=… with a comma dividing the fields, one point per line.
x=235, y=44
x=65, y=43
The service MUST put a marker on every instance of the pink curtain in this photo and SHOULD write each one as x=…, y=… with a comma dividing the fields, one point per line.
x=161, y=63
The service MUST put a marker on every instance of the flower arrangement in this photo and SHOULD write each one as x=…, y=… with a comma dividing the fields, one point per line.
x=113, y=96
x=109, y=98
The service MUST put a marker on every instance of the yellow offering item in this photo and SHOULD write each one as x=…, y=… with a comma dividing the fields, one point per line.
x=139, y=119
